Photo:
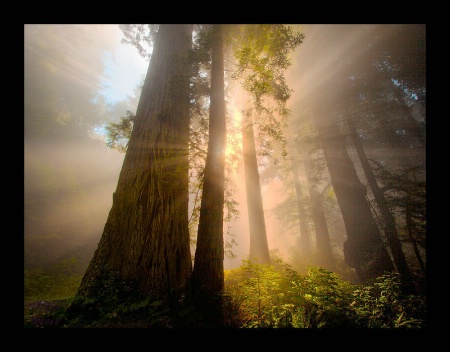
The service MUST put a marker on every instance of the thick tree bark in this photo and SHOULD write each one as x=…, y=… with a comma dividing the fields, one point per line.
x=390, y=229
x=208, y=272
x=364, y=249
x=259, y=249
x=146, y=237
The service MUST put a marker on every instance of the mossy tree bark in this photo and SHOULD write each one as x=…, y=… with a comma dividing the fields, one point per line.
x=146, y=237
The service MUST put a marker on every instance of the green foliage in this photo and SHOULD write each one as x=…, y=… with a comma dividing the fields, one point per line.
x=116, y=303
x=278, y=297
x=261, y=54
x=255, y=289
x=58, y=281
x=383, y=306
x=111, y=308
x=255, y=296
x=118, y=134
x=405, y=192
x=140, y=36
x=262, y=57
x=322, y=298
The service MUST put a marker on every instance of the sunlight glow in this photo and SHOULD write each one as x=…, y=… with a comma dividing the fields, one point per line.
x=233, y=149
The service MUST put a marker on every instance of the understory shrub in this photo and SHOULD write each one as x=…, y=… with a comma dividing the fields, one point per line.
x=265, y=296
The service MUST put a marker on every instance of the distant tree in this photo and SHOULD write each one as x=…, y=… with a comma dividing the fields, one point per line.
x=305, y=210
x=262, y=57
x=62, y=108
x=386, y=100
x=307, y=143
x=259, y=250
x=60, y=99
x=390, y=230
x=374, y=71
x=324, y=255
x=405, y=196
x=305, y=240
x=364, y=249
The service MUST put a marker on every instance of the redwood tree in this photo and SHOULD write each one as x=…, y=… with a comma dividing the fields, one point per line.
x=390, y=228
x=146, y=239
x=262, y=57
x=305, y=240
x=261, y=52
x=364, y=249
x=208, y=272
x=323, y=243
x=259, y=250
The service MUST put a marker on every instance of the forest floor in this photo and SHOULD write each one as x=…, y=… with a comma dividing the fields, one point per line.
x=36, y=312
x=50, y=313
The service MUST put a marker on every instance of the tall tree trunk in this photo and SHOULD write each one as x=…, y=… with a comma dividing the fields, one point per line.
x=259, y=250
x=390, y=229
x=208, y=273
x=323, y=244
x=146, y=237
x=364, y=249
x=305, y=240
x=409, y=229
x=410, y=207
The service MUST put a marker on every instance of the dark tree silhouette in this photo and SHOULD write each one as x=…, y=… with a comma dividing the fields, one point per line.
x=364, y=249
x=208, y=275
x=390, y=229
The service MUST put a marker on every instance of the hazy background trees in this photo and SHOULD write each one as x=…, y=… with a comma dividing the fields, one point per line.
x=69, y=174
x=380, y=87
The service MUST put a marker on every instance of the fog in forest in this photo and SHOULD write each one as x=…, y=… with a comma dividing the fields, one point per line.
x=78, y=78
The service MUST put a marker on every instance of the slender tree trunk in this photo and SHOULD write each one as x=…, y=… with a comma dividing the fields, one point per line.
x=364, y=249
x=208, y=273
x=409, y=229
x=409, y=226
x=390, y=229
x=305, y=240
x=323, y=244
x=259, y=249
x=146, y=237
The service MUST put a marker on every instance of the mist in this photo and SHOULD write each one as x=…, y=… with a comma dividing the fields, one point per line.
x=69, y=173
x=73, y=87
